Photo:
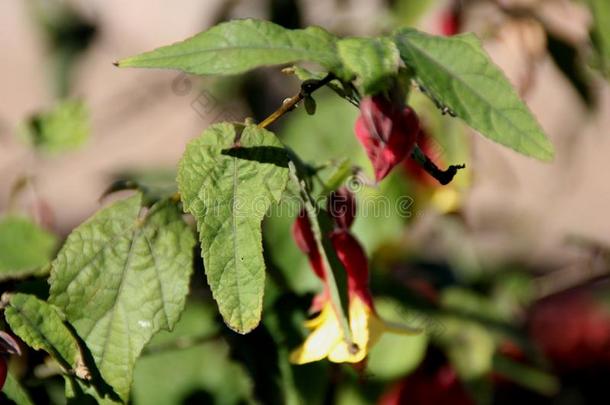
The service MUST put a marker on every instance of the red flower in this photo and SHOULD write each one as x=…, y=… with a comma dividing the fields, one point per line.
x=386, y=131
x=451, y=21
x=351, y=255
x=3, y=371
x=326, y=337
x=430, y=384
x=341, y=206
x=303, y=236
x=573, y=330
x=8, y=345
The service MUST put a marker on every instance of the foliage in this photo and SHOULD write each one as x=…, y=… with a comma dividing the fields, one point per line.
x=25, y=247
x=118, y=286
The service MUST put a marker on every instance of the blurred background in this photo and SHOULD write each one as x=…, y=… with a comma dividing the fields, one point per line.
x=507, y=267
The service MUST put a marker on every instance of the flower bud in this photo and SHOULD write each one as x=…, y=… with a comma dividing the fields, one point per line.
x=386, y=131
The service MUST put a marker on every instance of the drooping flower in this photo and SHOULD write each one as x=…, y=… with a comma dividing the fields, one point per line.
x=326, y=339
x=387, y=132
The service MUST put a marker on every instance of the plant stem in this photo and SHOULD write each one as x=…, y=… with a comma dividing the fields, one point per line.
x=331, y=282
x=307, y=87
x=443, y=176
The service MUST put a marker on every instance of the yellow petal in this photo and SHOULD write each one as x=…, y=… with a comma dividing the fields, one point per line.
x=327, y=340
x=359, y=314
x=320, y=341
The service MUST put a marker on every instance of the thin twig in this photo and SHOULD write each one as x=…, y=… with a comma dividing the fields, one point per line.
x=307, y=87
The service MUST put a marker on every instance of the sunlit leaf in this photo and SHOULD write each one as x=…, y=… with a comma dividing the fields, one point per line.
x=237, y=46
x=41, y=327
x=228, y=186
x=121, y=277
x=458, y=74
x=372, y=60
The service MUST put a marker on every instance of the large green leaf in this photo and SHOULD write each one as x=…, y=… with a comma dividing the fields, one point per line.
x=458, y=74
x=24, y=247
x=372, y=60
x=228, y=189
x=122, y=276
x=40, y=326
x=237, y=46
x=63, y=128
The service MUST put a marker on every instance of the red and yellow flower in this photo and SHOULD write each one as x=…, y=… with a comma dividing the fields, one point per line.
x=326, y=339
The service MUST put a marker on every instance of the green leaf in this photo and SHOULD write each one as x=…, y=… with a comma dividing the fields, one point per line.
x=66, y=127
x=372, y=60
x=41, y=327
x=228, y=189
x=14, y=391
x=121, y=277
x=24, y=247
x=237, y=46
x=458, y=74
x=600, y=10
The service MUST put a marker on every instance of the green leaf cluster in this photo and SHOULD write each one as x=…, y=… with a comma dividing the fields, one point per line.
x=455, y=72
